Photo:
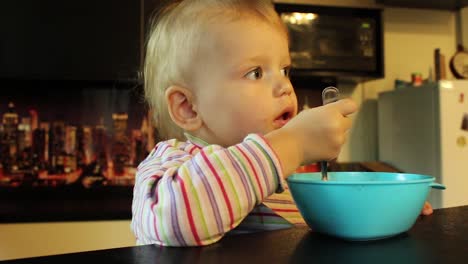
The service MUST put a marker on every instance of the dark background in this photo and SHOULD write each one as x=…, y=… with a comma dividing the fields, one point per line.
x=70, y=40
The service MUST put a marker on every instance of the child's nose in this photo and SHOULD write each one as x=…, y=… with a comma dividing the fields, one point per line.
x=283, y=87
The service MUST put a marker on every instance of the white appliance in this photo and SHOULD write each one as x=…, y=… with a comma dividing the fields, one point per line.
x=424, y=130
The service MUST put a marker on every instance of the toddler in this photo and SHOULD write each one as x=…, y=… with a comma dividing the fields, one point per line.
x=217, y=82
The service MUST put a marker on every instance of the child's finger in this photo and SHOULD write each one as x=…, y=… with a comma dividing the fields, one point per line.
x=427, y=209
x=346, y=106
x=347, y=123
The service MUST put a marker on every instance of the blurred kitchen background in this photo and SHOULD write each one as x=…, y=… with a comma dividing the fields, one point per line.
x=75, y=65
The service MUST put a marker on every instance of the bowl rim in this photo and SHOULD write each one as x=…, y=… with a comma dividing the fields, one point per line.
x=292, y=179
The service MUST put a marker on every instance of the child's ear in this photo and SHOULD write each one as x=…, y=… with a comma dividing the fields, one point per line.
x=181, y=108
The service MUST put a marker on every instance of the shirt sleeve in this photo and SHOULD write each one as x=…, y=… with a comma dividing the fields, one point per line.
x=185, y=199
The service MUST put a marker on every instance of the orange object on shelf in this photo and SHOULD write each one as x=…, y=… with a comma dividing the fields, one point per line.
x=314, y=167
x=416, y=79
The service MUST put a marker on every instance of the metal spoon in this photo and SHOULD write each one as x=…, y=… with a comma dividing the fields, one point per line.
x=329, y=95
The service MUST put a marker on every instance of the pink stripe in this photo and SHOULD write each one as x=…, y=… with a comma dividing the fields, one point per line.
x=265, y=214
x=254, y=171
x=218, y=179
x=155, y=176
x=284, y=210
x=194, y=147
x=189, y=211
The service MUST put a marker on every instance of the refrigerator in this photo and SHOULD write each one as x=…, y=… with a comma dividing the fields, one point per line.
x=424, y=130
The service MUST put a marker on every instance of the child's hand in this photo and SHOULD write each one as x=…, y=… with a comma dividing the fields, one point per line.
x=321, y=131
x=313, y=135
x=427, y=209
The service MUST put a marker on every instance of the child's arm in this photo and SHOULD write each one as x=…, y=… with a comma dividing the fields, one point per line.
x=182, y=199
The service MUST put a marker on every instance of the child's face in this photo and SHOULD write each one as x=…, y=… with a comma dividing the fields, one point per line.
x=241, y=83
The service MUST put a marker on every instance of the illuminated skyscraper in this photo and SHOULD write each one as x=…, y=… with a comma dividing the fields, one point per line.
x=88, y=144
x=24, y=159
x=70, y=140
x=56, y=144
x=10, y=127
x=23, y=137
x=80, y=152
x=34, y=119
x=45, y=127
x=39, y=145
x=120, y=121
x=100, y=140
x=121, y=144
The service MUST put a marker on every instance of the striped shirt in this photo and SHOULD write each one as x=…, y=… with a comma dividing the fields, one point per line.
x=192, y=193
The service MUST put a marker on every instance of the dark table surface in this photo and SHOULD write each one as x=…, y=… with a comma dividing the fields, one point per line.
x=438, y=238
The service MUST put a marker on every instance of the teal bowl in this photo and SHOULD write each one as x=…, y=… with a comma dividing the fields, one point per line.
x=361, y=205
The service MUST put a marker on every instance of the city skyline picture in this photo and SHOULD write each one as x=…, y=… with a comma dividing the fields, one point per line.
x=81, y=137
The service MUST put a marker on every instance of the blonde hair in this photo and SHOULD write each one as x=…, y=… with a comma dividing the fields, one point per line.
x=174, y=39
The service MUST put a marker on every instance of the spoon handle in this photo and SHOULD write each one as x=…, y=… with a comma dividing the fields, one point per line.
x=329, y=95
x=324, y=169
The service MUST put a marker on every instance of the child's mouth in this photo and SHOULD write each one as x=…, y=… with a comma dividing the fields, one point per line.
x=283, y=119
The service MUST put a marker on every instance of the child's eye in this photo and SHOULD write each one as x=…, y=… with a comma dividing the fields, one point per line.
x=285, y=71
x=255, y=74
